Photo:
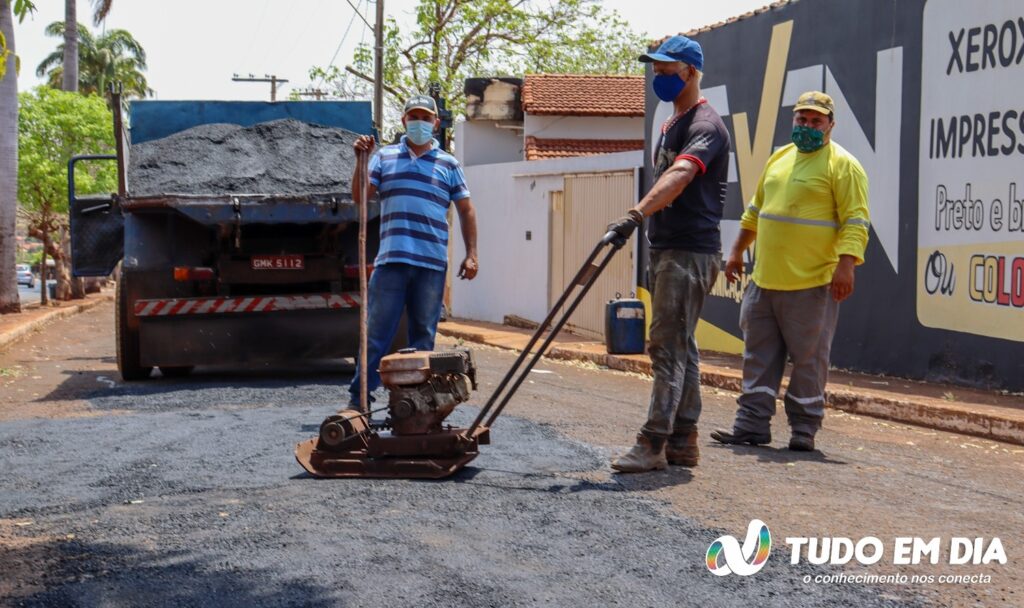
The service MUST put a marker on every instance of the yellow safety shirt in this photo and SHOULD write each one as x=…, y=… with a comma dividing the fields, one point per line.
x=809, y=209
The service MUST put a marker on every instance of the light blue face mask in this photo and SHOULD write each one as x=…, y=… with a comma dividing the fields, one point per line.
x=419, y=132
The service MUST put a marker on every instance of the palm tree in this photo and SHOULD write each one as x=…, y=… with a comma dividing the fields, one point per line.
x=70, y=82
x=115, y=56
x=9, y=301
x=101, y=8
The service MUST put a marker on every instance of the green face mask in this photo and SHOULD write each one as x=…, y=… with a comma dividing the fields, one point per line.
x=807, y=139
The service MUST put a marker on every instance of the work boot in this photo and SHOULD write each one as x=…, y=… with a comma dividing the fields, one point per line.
x=682, y=450
x=801, y=442
x=647, y=455
x=741, y=437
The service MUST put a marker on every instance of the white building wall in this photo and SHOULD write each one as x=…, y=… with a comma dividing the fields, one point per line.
x=480, y=142
x=511, y=199
x=584, y=127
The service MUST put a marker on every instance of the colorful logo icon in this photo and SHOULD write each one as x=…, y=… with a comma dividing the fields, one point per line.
x=726, y=556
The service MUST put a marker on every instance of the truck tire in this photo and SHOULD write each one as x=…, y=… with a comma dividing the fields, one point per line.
x=176, y=371
x=127, y=338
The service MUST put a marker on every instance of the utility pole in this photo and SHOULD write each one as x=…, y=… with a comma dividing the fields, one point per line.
x=271, y=78
x=317, y=94
x=378, y=70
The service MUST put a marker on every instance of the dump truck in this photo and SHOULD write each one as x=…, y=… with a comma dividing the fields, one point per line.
x=216, y=271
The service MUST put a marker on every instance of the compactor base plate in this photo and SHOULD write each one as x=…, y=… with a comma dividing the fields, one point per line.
x=382, y=455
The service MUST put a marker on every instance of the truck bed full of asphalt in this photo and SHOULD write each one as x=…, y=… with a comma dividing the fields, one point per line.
x=278, y=157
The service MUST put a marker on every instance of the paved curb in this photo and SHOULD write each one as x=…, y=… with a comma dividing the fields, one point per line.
x=20, y=331
x=961, y=420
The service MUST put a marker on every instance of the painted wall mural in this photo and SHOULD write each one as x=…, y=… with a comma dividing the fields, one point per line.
x=928, y=98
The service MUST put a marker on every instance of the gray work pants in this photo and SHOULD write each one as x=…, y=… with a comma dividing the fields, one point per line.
x=775, y=324
x=679, y=280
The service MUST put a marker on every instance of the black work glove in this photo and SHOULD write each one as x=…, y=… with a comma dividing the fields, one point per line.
x=625, y=225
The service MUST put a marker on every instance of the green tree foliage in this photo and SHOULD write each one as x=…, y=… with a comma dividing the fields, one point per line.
x=54, y=126
x=21, y=8
x=4, y=52
x=114, y=56
x=458, y=39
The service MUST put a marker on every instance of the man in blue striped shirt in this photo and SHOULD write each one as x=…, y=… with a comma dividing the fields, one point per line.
x=417, y=182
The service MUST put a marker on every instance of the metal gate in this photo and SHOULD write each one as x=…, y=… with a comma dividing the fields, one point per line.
x=579, y=217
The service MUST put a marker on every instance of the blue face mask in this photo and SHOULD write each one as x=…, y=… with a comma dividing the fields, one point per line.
x=419, y=132
x=807, y=139
x=668, y=86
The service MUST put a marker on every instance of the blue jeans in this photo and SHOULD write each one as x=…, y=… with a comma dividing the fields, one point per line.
x=395, y=288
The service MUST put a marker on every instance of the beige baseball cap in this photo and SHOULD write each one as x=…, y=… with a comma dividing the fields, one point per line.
x=815, y=100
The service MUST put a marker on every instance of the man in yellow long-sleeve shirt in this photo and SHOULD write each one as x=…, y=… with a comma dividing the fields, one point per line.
x=809, y=223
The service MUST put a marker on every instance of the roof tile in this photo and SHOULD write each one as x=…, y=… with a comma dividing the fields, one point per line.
x=583, y=95
x=540, y=149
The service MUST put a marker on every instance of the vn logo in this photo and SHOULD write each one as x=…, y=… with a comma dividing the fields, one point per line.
x=725, y=556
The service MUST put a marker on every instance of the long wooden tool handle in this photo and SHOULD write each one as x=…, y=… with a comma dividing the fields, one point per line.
x=362, y=164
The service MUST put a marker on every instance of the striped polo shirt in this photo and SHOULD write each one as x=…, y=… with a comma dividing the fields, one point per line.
x=415, y=193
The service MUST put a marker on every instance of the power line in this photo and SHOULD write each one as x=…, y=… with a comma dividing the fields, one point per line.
x=343, y=38
x=358, y=13
x=281, y=27
x=304, y=33
x=256, y=32
x=317, y=94
x=271, y=78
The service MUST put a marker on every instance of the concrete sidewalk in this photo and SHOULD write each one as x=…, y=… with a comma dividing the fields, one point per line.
x=14, y=327
x=992, y=415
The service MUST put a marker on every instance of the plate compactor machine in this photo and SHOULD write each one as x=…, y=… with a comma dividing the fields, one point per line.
x=413, y=441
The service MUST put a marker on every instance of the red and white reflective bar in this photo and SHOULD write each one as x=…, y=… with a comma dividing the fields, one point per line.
x=207, y=306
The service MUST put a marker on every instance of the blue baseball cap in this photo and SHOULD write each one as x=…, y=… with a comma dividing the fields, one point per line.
x=677, y=48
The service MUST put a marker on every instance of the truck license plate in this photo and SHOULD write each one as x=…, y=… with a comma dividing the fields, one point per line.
x=278, y=262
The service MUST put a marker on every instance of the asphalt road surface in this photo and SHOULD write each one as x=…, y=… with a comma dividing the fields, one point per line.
x=186, y=493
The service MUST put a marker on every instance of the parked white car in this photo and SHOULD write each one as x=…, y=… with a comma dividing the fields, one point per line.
x=25, y=276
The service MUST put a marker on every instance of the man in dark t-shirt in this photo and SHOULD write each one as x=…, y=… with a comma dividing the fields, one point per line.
x=685, y=204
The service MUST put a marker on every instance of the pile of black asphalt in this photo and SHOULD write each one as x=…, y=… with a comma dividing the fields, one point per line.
x=189, y=495
x=279, y=157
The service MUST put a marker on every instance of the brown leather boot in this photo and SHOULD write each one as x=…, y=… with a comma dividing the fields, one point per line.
x=682, y=450
x=647, y=455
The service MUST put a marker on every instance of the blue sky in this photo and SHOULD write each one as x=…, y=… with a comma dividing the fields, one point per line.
x=195, y=46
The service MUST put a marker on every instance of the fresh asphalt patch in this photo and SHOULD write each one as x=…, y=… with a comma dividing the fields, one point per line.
x=193, y=498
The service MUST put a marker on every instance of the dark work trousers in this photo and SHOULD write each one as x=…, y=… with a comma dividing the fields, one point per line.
x=679, y=281
x=775, y=324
